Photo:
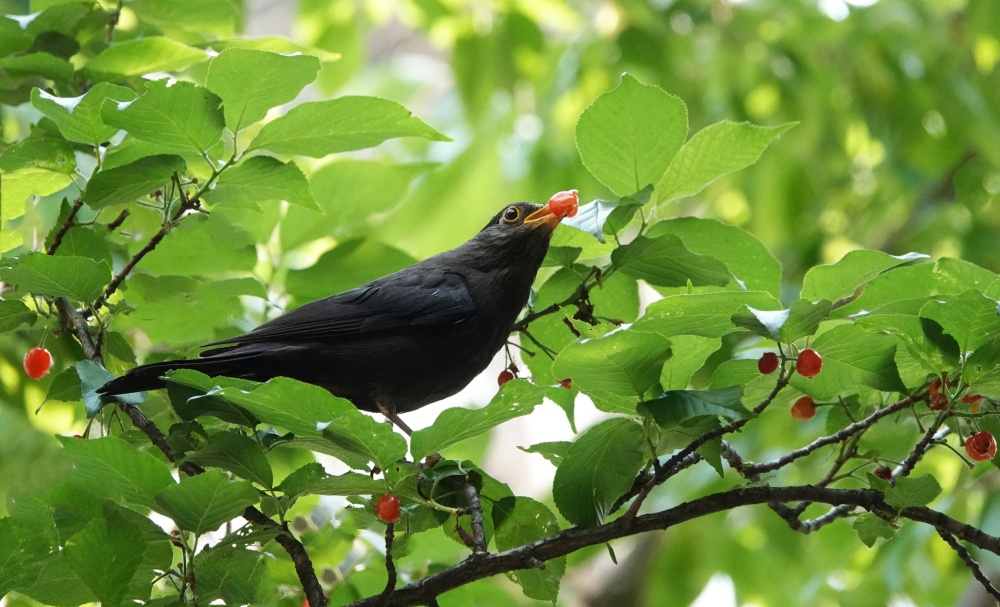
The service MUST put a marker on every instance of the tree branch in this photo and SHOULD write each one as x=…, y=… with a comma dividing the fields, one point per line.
x=571, y=540
x=977, y=571
x=66, y=225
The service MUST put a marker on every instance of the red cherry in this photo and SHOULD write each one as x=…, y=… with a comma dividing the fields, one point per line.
x=981, y=446
x=883, y=472
x=809, y=363
x=768, y=363
x=37, y=362
x=803, y=409
x=564, y=203
x=504, y=377
x=566, y=383
x=388, y=508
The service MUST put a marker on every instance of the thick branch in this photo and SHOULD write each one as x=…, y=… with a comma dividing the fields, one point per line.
x=476, y=514
x=571, y=540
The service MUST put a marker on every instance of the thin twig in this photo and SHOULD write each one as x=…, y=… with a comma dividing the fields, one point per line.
x=118, y=221
x=66, y=225
x=921, y=448
x=476, y=515
x=390, y=567
x=977, y=571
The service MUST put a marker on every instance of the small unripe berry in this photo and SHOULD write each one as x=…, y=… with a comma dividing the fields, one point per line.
x=804, y=409
x=809, y=363
x=387, y=508
x=768, y=363
x=37, y=363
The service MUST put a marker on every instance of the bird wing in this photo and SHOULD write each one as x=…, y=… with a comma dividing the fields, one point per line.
x=398, y=301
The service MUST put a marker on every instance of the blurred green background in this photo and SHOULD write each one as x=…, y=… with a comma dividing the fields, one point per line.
x=898, y=148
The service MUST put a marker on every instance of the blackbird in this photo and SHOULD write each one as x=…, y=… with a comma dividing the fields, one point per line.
x=401, y=341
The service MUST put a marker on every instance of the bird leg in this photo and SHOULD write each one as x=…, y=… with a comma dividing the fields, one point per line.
x=390, y=415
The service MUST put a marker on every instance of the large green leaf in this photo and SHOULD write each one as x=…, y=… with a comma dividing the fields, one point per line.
x=857, y=268
x=350, y=264
x=676, y=406
x=598, y=468
x=852, y=357
x=319, y=128
x=176, y=116
x=231, y=573
x=237, y=453
x=13, y=314
x=132, y=181
x=628, y=136
x=143, y=56
x=972, y=318
x=43, y=153
x=22, y=550
x=704, y=314
x=105, y=555
x=78, y=278
x=30, y=65
x=250, y=82
x=743, y=253
x=312, y=479
x=515, y=399
x=801, y=319
x=79, y=118
x=262, y=179
x=712, y=152
x=110, y=468
x=518, y=521
x=218, y=16
x=688, y=353
x=202, y=503
x=615, y=370
x=664, y=261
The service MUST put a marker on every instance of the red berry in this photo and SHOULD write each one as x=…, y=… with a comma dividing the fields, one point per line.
x=809, y=363
x=504, y=377
x=77, y=436
x=971, y=399
x=883, y=472
x=564, y=203
x=566, y=383
x=981, y=446
x=388, y=508
x=939, y=402
x=768, y=363
x=37, y=362
x=803, y=409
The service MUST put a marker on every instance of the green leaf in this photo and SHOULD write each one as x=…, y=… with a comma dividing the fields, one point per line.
x=30, y=65
x=132, y=181
x=852, y=357
x=515, y=399
x=598, y=469
x=628, y=136
x=871, y=527
x=262, y=179
x=218, y=16
x=93, y=376
x=13, y=314
x=105, y=555
x=912, y=333
x=77, y=278
x=591, y=217
x=518, y=521
x=176, y=116
x=350, y=123
x=45, y=154
x=202, y=503
x=350, y=264
x=800, y=320
x=972, y=318
x=237, y=453
x=743, y=254
x=688, y=353
x=143, y=56
x=615, y=370
x=312, y=479
x=664, y=261
x=704, y=314
x=349, y=192
x=250, y=82
x=230, y=573
x=193, y=394
x=712, y=152
x=554, y=451
x=110, y=468
x=676, y=406
x=65, y=387
x=855, y=269
x=907, y=492
x=356, y=434
x=22, y=550
x=79, y=118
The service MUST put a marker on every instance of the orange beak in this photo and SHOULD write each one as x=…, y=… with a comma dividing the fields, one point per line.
x=543, y=217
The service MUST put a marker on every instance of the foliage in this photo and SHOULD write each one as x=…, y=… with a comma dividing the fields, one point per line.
x=158, y=193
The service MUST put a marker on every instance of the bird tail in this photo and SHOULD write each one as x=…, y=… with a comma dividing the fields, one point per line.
x=150, y=377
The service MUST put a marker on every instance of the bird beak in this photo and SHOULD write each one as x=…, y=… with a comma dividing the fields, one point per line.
x=543, y=217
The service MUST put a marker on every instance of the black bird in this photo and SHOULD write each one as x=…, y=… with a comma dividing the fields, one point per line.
x=401, y=341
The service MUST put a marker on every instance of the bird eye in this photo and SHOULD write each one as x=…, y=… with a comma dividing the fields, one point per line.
x=511, y=214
